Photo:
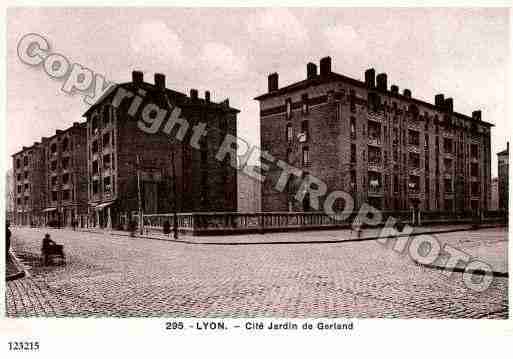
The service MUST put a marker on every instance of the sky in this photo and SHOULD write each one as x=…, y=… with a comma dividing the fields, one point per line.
x=463, y=53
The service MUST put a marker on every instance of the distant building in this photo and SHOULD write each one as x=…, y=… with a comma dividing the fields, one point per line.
x=385, y=148
x=29, y=185
x=249, y=190
x=494, y=203
x=9, y=195
x=128, y=166
x=66, y=176
x=503, y=170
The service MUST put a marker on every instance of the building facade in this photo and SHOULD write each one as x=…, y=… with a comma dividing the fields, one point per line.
x=66, y=177
x=29, y=185
x=132, y=166
x=503, y=170
x=384, y=147
x=250, y=192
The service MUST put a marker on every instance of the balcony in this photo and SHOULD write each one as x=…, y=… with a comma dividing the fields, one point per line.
x=374, y=141
x=375, y=191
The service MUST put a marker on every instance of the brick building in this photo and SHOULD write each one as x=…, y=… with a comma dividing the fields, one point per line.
x=66, y=176
x=384, y=147
x=29, y=185
x=250, y=192
x=128, y=166
x=503, y=170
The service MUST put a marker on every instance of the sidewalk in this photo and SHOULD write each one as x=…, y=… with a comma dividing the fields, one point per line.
x=13, y=268
x=293, y=237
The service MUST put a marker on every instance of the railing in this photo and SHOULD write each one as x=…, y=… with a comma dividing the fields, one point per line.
x=212, y=223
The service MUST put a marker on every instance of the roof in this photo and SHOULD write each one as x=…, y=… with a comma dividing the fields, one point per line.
x=334, y=77
x=181, y=98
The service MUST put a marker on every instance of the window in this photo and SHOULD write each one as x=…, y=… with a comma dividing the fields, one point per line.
x=18, y=201
x=353, y=128
x=290, y=132
x=288, y=108
x=306, y=156
x=106, y=140
x=53, y=165
x=66, y=195
x=53, y=148
x=19, y=188
x=65, y=163
x=352, y=183
x=65, y=178
x=396, y=184
x=426, y=183
x=304, y=103
x=25, y=161
x=96, y=187
x=448, y=148
x=95, y=167
x=18, y=177
x=94, y=147
x=25, y=175
x=65, y=144
x=107, y=185
x=106, y=161
x=413, y=138
x=106, y=115
x=54, y=196
x=353, y=153
x=374, y=156
x=26, y=187
x=54, y=180
x=18, y=163
x=94, y=124
x=304, y=129
x=414, y=160
x=448, y=185
x=474, y=169
x=448, y=165
x=414, y=184
x=475, y=189
x=426, y=142
x=474, y=151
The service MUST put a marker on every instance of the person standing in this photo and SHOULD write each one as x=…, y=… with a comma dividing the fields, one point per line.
x=7, y=238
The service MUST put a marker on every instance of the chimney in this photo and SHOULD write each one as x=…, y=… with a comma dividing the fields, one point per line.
x=439, y=100
x=272, y=82
x=407, y=93
x=394, y=89
x=325, y=66
x=311, y=70
x=194, y=94
x=58, y=132
x=449, y=106
x=137, y=77
x=207, y=96
x=476, y=115
x=370, y=78
x=381, y=80
x=160, y=81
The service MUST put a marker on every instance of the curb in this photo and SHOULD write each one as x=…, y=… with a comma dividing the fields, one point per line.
x=22, y=272
x=372, y=238
x=463, y=270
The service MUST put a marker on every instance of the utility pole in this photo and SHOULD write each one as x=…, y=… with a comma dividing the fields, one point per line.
x=139, y=200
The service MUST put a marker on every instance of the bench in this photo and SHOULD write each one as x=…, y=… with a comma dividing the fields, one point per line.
x=56, y=250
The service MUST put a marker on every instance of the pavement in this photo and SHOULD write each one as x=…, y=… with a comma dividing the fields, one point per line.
x=317, y=236
x=118, y=276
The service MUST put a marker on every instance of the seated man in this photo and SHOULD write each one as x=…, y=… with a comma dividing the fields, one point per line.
x=46, y=248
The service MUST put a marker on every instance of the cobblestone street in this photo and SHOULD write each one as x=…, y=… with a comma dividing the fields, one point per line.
x=109, y=275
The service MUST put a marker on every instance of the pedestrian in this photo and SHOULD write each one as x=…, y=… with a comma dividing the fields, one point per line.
x=7, y=238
